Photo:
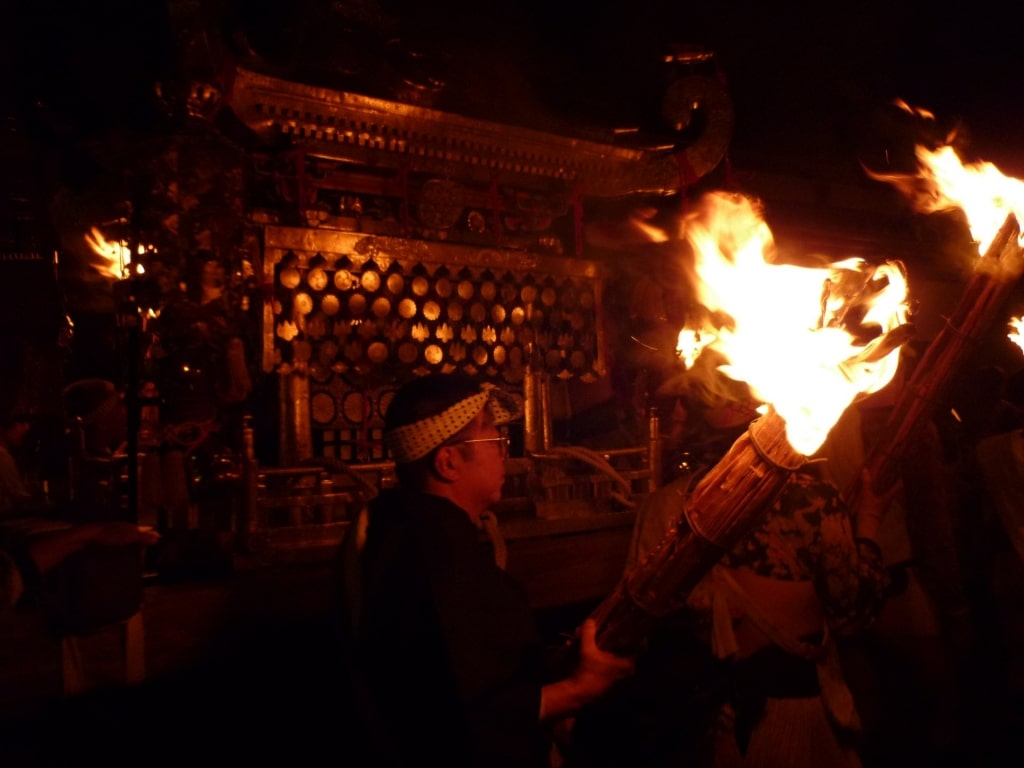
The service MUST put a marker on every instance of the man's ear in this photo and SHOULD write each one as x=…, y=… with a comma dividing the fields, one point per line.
x=445, y=463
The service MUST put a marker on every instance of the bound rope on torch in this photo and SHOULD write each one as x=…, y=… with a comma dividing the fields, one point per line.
x=762, y=452
x=669, y=606
x=671, y=538
x=696, y=527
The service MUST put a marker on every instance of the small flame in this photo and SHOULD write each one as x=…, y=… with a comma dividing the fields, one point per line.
x=980, y=190
x=985, y=194
x=785, y=329
x=640, y=222
x=1016, y=334
x=116, y=255
x=692, y=342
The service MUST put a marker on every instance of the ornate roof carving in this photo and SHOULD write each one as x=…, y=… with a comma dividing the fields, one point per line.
x=377, y=132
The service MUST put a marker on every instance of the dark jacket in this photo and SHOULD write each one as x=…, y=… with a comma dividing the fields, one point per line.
x=445, y=661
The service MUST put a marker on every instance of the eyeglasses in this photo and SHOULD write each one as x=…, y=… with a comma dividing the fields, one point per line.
x=500, y=440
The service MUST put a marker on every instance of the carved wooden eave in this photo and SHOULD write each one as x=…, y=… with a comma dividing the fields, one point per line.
x=371, y=131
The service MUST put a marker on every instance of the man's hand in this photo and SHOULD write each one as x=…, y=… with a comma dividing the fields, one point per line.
x=598, y=670
x=595, y=673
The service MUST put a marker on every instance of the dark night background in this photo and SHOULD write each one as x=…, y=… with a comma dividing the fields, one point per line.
x=808, y=79
x=812, y=86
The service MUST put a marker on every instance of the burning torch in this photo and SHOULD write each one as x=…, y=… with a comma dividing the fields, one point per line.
x=796, y=335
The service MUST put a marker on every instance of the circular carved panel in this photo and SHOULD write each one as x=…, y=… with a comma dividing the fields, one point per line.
x=396, y=283
x=370, y=281
x=383, y=401
x=330, y=305
x=357, y=304
x=433, y=354
x=290, y=277
x=317, y=279
x=344, y=281
x=407, y=308
x=303, y=304
x=353, y=407
x=323, y=408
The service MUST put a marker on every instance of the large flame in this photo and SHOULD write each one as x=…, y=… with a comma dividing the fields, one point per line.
x=789, y=331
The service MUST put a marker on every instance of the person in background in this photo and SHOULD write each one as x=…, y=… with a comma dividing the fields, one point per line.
x=747, y=671
x=990, y=460
x=30, y=548
x=16, y=496
x=97, y=415
x=904, y=669
x=444, y=659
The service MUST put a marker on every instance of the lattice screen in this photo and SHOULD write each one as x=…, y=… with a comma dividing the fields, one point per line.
x=357, y=313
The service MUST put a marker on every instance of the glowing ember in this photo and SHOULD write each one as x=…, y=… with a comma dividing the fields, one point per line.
x=1016, y=334
x=116, y=256
x=806, y=340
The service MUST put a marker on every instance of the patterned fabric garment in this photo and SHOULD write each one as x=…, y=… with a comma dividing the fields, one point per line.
x=808, y=536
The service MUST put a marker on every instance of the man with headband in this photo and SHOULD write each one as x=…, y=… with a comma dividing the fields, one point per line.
x=443, y=652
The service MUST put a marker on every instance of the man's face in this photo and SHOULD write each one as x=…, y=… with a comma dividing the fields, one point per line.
x=484, y=463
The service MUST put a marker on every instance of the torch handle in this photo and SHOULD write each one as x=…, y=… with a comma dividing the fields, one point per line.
x=996, y=276
x=726, y=504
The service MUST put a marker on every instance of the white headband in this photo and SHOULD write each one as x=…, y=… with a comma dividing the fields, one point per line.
x=414, y=441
